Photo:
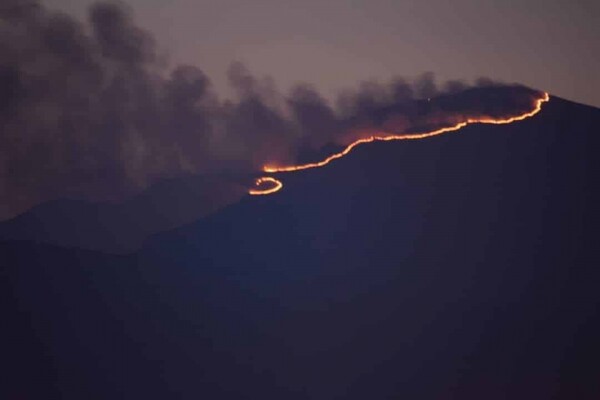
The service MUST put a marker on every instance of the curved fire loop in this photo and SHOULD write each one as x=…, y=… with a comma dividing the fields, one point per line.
x=273, y=184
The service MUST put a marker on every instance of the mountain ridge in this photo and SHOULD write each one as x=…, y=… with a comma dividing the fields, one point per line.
x=145, y=216
x=461, y=266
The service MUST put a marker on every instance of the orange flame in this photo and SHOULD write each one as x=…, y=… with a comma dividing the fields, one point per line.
x=257, y=192
x=386, y=137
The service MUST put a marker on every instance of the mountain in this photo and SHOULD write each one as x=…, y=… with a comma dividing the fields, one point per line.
x=122, y=227
x=462, y=266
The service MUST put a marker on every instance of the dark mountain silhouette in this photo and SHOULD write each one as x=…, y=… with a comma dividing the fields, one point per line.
x=464, y=266
x=122, y=227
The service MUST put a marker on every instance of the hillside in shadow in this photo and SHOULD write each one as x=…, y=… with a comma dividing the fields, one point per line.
x=462, y=266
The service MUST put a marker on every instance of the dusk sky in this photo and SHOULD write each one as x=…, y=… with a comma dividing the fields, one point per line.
x=546, y=44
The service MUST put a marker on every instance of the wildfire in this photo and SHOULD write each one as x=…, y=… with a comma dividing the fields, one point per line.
x=260, y=181
x=387, y=137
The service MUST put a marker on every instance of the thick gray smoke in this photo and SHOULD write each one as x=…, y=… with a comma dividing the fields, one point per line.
x=87, y=111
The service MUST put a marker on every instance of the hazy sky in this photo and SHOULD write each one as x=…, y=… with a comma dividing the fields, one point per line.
x=552, y=45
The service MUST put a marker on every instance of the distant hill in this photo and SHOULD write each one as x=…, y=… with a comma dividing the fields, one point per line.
x=122, y=227
x=463, y=266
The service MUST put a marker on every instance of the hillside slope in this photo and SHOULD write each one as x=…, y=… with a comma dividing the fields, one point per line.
x=462, y=266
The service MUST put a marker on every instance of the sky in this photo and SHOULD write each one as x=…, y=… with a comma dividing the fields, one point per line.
x=550, y=45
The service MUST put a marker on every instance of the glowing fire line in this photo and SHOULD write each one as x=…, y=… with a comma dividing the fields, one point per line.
x=407, y=136
x=260, y=181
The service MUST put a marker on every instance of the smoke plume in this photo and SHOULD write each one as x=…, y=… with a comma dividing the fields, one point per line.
x=87, y=110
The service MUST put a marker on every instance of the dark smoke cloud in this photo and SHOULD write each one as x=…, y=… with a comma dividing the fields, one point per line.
x=87, y=110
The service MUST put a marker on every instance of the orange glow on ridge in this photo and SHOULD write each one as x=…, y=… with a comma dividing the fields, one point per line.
x=387, y=137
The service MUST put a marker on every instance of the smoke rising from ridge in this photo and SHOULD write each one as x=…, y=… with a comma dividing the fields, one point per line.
x=87, y=110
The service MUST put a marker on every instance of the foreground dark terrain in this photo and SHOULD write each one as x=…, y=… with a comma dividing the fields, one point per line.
x=463, y=266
